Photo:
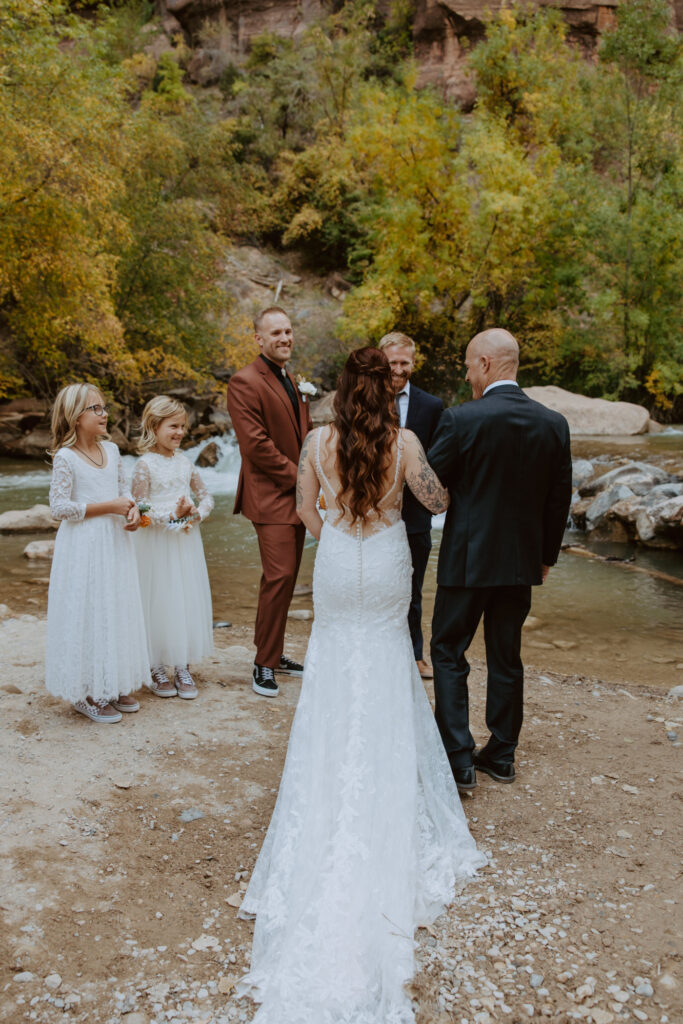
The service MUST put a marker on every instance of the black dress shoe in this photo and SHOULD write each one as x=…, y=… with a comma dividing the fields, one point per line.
x=501, y=771
x=465, y=778
x=289, y=667
x=263, y=681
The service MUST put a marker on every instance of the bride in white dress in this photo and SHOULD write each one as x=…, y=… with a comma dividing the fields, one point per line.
x=368, y=838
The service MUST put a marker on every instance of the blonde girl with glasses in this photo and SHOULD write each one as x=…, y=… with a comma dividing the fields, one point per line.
x=96, y=652
x=174, y=583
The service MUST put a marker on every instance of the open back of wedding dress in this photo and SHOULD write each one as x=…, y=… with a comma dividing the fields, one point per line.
x=368, y=838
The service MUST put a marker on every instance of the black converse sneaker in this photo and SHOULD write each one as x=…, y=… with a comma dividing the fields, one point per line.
x=289, y=667
x=263, y=681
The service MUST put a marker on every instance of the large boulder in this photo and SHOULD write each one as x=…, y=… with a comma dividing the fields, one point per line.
x=36, y=443
x=24, y=428
x=582, y=470
x=654, y=520
x=593, y=415
x=208, y=456
x=600, y=506
x=39, y=549
x=641, y=477
x=28, y=520
x=322, y=411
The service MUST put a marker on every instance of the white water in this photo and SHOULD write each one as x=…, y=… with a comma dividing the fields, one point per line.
x=219, y=479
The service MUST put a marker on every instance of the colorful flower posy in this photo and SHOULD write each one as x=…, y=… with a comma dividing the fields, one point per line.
x=143, y=508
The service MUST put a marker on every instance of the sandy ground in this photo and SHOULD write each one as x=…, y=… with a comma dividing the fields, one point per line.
x=123, y=850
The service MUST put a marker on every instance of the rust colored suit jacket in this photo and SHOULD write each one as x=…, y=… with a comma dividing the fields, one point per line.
x=270, y=440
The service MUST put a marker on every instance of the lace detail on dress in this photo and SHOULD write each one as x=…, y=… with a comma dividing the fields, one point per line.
x=163, y=482
x=96, y=644
x=388, y=511
x=204, y=501
x=62, y=505
x=368, y=838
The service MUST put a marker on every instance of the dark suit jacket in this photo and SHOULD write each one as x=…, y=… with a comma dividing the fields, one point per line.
x=270, y=440
x=506, y=462
x=424, y=413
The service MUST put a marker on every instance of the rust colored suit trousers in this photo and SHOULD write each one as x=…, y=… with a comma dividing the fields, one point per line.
x=280, y=545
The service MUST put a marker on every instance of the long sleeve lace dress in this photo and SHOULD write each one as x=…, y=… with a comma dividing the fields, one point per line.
x=96, y=645
x=174, y=582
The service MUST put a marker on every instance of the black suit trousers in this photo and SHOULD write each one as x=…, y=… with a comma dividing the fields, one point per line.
x=457, y=613
x=420, y=545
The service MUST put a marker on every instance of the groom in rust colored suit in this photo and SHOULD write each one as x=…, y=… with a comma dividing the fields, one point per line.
x=271, y=420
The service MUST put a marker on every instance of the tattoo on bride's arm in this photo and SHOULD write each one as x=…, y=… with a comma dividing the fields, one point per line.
x=303, y=468
x=428, y=487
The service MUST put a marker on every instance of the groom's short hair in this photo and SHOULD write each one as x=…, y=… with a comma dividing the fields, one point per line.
x=258, y=319
x=397, y=338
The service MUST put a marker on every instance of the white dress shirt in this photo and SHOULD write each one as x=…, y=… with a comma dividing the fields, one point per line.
x=498, y=384
x=402, y=399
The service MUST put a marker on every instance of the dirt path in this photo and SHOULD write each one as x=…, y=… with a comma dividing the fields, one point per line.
x=123, y=850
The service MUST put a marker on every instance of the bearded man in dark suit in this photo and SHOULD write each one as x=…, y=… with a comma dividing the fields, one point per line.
x=420, y=412
x=271, y=419
x=506, y=462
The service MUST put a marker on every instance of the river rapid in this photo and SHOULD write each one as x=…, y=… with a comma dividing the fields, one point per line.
x=591, y=619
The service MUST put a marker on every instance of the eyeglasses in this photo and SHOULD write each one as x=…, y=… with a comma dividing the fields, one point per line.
x=99, y=410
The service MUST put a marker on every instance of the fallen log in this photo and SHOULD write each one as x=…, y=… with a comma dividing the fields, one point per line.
x=576, y=549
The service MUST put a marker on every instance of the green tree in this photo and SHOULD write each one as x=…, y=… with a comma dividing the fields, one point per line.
x=636, y=228
x=59, y=179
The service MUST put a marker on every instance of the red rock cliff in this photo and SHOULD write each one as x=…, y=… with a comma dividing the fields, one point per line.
x=442, y=29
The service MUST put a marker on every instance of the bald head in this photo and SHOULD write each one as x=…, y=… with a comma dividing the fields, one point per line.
x=492, y=355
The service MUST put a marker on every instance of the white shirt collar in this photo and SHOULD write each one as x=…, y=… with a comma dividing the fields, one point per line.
x=498, y=384
x=405, y=390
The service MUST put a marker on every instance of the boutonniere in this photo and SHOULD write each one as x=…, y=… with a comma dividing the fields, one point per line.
x=306, y=388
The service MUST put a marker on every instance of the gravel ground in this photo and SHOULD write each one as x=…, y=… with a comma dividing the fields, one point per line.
x=124, y=850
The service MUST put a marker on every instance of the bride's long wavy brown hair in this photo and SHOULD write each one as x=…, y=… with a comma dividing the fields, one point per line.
x=367, y=424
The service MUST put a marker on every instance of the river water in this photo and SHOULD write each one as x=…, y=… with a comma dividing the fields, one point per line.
x=594, y=619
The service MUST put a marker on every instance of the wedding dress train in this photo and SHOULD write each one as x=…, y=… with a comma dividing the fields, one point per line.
x=368, y=838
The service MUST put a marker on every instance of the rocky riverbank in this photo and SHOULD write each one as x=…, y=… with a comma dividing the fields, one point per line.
x=125, y=850
x=635, y=502
x=25, y=422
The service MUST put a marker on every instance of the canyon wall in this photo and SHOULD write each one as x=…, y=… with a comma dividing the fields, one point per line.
x=443, y=30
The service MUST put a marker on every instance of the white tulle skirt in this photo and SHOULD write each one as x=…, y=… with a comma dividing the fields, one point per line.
x=176, y=597
x=368, y=837
x=96, y=644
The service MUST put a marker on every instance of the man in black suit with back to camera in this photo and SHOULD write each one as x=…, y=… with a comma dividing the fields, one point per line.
x=420, y=412
x=506, y=462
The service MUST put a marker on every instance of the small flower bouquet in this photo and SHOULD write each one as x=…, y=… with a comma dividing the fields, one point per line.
x=143, y=509
x=183, y=523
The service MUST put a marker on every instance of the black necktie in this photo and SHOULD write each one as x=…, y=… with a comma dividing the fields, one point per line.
x=289, y=388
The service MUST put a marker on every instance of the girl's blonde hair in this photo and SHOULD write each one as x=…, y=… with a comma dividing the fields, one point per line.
x=155, y=412
x=70, y=403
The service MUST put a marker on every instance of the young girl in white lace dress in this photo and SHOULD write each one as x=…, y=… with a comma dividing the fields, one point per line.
x=173, y=579
x=96, y=652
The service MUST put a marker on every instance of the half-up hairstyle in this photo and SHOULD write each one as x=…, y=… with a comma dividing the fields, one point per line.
x=70, y=404
x=155, y=412
x=367, y=424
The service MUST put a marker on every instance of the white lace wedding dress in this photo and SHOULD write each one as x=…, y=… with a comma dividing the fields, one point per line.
x=368, y=838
